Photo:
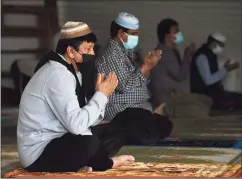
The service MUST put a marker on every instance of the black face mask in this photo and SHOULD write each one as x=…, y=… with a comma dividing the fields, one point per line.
x=87, y=58
x=88, y=61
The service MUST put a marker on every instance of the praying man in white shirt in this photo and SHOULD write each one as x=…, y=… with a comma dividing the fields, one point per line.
x=54, y=125
x=206, y=76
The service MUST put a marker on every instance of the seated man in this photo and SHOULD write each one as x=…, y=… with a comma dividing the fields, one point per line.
x=54, y=120
x=167, y=95
x=128, y=106
x=171, y=70
x=206, y=77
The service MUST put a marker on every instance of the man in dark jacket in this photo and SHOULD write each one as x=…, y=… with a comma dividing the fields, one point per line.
x=206, y=77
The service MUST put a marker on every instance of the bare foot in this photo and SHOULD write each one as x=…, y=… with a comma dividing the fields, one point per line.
x=85, y=170
x=122, y=160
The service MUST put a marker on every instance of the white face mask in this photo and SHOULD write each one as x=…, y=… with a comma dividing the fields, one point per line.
x=131, y=43
x=218, y=50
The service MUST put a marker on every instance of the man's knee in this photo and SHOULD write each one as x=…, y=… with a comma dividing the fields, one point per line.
x=145, y=134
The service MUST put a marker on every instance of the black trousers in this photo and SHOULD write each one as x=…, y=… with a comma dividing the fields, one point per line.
x=112, y=136
x=228, y=100
x=71, y=152
x=142, y=127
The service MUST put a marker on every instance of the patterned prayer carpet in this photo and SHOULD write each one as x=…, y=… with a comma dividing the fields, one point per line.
x=159, y=162
x=201, y=148
x=186, y=155
x=151, y=170
x=216, y=128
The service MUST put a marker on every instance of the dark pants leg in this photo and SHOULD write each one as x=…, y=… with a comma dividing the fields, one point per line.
x=71, y=152
x=112, y=137
x=229, y=100
x=143, y=127
x=164, y=126
x=234, y=99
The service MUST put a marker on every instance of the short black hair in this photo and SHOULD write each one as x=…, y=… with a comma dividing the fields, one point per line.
x=210, y=39
x=164, y=28
x=74, y=42
x=114, y=28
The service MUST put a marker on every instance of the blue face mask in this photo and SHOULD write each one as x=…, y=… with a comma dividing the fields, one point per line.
x=179, y=38
x=131, y=43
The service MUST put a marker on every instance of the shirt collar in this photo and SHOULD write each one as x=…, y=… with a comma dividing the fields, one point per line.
x=117, y=45
x=61, y=56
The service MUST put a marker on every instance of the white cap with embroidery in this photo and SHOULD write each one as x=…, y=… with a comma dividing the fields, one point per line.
x=219, y=37
x=127, y=20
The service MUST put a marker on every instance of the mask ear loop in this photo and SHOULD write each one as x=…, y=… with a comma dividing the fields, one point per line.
x=79, y=54
x=122, y=39
x=74, y=63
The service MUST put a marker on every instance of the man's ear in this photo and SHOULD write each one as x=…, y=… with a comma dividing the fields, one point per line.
x=120, y=33
x=69, y=51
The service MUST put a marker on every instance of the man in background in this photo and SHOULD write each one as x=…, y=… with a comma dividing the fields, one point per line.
x=167, y=96
x=206, y=77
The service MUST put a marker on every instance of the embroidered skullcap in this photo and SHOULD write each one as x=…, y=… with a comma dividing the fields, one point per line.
x=74, y=29
x=127, y=20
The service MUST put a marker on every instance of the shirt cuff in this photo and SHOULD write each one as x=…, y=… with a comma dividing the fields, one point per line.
x=142, y=77
x=98, y=121
x=148, y=80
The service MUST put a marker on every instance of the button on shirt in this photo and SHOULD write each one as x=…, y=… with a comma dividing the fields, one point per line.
x=131, y=91
x=49, y=108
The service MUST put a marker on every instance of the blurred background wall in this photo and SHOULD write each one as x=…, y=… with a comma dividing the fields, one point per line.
x=29, y=32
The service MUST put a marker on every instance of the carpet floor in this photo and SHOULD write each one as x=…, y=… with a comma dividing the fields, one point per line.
x=186, y=155
x=198, y=148
x=151, y=170
x=159, y=162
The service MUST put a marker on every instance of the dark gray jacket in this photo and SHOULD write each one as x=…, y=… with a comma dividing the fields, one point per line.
x=167, y=75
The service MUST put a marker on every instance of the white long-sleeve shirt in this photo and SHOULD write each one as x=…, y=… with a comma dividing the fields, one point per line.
x=49, y=108
x=208, y=77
